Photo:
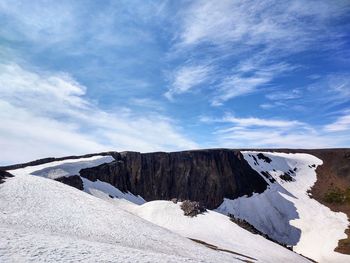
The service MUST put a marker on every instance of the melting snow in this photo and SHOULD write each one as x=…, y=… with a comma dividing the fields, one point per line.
x=285, y=211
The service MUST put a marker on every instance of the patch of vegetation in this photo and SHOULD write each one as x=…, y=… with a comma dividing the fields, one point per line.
x=337, y=196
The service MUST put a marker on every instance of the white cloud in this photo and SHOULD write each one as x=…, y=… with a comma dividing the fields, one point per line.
x=45, y=114
x=237, y=85
x=186, y=78
x=250, y=122
x=341, y=124
x=37, y=21
x=146, y=103
x=275, y=138
x=266, y=22
x=257, y=132
x=284, y=95
x=256, y=34
x=339, y=85
x=247, y=78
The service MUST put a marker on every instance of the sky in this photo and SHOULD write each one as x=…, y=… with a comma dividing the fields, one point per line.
x=87, y=76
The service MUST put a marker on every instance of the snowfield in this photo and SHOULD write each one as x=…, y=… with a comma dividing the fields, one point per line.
x=42, y=220
x=56, y=169
x=285, y=211
x=217, y=229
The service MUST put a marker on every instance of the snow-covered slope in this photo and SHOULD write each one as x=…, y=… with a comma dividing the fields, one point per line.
x=56, y=169
x=216, y=229
x=70, y=167
x=42, y=220
x=286, y=212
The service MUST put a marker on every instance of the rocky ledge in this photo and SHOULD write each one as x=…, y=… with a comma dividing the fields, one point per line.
x=205, y=176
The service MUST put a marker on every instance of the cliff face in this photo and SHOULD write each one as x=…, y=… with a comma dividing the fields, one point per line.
x=206, y=176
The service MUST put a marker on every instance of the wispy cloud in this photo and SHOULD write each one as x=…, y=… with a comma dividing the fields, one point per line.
x=36, y=21
x=272, y=123
x=46, y=114
x=257, y=22
x=247, y=78
x=259, y=132
x=253, y=122
x=276, y=138
x=284, y=95
x=186, y=78
x=256, y=34
x=341, y=124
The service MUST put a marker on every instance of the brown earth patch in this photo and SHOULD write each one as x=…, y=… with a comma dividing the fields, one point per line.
x=334, y=174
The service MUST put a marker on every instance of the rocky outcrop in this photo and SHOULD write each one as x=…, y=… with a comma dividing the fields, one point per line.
x=206, y=176
x=74, y=181
x=192, y=208
x=4, y=175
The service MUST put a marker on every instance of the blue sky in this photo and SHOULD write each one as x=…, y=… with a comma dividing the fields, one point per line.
x=87, y=76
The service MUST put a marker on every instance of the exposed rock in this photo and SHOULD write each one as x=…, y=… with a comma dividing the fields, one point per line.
x=206, y=176
x=192, y=208
x=4, y=175
x=287, y=177
x=74, y=181
x=264, y=158
x=268, y=176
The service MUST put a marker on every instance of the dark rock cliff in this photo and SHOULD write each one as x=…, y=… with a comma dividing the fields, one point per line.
x=4, y=175
x=206, y=176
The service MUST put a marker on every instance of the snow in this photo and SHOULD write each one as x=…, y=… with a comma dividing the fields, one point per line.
x=43, y=220
x=69, y=167
x=285, y=211
x=27, y=246
x=54, y=170
x=216, y=229
x=106, y=191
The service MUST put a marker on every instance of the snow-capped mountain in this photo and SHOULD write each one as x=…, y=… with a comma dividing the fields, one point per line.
x=117, y=207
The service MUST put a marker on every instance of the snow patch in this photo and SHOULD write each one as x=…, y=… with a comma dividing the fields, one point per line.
x=56, y=169
x=216, y=229
x=106, y=191
x=285, y=211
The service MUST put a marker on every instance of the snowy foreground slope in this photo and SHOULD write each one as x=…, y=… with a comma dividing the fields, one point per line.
x=215, y=228
x=285, y=211
x=42, y=220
